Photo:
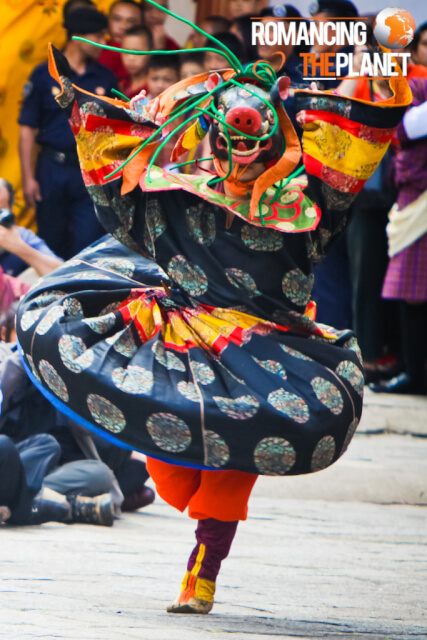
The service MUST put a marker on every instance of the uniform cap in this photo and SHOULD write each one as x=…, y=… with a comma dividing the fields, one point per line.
x=84, y=21
x=335, y=8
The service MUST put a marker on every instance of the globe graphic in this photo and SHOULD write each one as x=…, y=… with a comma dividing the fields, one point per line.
x=394, y=28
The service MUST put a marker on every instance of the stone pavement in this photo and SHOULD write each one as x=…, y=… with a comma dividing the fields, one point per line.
x=341, y=554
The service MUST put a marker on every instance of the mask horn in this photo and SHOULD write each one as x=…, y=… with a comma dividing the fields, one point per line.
x=280, y=90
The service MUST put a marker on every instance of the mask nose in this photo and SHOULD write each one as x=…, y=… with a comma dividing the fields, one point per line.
x=244, y=119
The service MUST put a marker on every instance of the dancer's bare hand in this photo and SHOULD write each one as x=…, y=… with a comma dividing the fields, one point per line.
x=152, y=110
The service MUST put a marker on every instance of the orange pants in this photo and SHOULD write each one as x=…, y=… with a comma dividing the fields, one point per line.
x=222, y=495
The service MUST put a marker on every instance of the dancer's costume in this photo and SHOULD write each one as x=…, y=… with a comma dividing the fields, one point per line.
x=188, y=333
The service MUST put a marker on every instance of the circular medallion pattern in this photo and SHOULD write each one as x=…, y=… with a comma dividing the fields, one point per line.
x=218, y=453
x=328, y=394
x=49, y=319
x=188, y=390
x=169, y=432
x=323, y=454
x=240, y=408
x=274, y=456
x=133, y=379
x=74, y=353
x=189, y=276
x=351, y=372
x=290, y=405
x=53, y=380
x=105, y=413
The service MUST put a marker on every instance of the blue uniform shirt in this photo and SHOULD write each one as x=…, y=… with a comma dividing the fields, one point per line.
x=41, y=111
x=11, y=264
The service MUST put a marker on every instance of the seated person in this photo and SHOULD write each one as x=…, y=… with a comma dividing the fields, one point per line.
x=138, y=38
x=78, y=467
x=20, y=248
x=34, y=489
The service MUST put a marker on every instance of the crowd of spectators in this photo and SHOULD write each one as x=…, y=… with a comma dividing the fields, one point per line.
x=373, y=281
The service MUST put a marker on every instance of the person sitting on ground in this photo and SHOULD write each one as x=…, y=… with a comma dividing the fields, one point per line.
x=20, y=248
x=138, y=38
x=34, y=487
x=123, y=15
x=26, y=414
x=34, y=490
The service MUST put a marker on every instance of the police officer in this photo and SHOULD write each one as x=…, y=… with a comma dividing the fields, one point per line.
x=65, y=214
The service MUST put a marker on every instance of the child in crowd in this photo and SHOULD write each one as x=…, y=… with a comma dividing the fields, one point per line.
x=213, y=61
x=162, y=73
x=191, y=65
x=138, y=38
x=155, y=19
x=211, y=25
x=237, y=8
x=123, y=15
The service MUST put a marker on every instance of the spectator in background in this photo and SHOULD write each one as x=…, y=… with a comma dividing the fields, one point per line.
x=72, y=5
x=7, y=298
x=20, y=248
x=191, y=64
x=65, y=214
x=418, y=46
x=406, y=277
x=237, y=8
x=123, y=15
x=162, y=73
x=155, y=19
x=33, y=424
x=137, y=39
x=213, y=61
x=293, y=66
x=332, y=281
x=242, y=28
x=332, y=11
x=30, y=479
x=212, y=25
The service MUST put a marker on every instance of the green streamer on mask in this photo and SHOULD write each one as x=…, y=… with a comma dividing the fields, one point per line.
x=161, y=52
x=121, y=95
x=165, y=124
x=182, y=164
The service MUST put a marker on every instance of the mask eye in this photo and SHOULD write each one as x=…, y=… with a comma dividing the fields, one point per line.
x=270, y=116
